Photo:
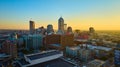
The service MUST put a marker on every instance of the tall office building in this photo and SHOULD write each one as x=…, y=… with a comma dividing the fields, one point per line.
x=91, y=30
x=32, y=27
x=59, y=41
x=65, y=27
x=34, y=41
x=50, y=29
x=69, y=30
x=60, y=26
x=10, y=48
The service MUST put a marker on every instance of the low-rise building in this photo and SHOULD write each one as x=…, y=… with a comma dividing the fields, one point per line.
x=72, y=51
x=83, y=54
x=96, y=63
x=50, y=58
x=10, y=48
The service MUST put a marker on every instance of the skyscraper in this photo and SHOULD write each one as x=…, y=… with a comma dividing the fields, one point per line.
x=65, y=27
x=34, y=41
x=10, y=48
x=50, y=29
x=32, y=27
x=69, y=30
x=91, y=30
x=60, y=26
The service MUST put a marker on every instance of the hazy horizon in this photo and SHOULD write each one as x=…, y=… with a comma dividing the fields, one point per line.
x=79, y=14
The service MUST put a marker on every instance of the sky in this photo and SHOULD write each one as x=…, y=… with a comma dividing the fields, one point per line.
x=79, y=14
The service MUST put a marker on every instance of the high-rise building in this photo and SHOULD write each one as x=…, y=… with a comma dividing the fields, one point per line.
x=42, y=30
x=65, y=27
x=91, y=30
x=34, y=41
x=50, y=29
x=69, y=30
x=32, y=27
x=10, y=48
x=59, y=41
x=60, y=26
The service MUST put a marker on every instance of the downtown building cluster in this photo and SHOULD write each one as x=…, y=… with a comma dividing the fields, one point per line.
x=46, y=47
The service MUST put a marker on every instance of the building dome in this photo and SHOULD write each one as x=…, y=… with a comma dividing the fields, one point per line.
x=50, y=29
x=61, y=19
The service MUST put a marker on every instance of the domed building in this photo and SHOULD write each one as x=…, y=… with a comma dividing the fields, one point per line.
x=50, y=29
x=69, y=30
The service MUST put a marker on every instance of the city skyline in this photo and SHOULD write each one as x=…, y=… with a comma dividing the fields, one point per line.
x=79, y=14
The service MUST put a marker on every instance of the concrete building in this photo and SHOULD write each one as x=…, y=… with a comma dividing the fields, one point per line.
x=13, y=36
x=60, y=26
x=96, y=63
x=100, y=51
x=72, y=51
x=5, y=60
x=91, y=30
x=50, y=29
x=34, y=41
x=65, y=27
x=32, y=27
x=50, y=58
x=20, y=41
x=78, y=52
x=10, y=48
x=69, y=30
x=85, y=54
x=42, y=30
x=117, y=57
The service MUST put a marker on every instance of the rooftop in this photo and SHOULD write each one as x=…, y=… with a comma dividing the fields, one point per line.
x=54, y=63
x=50, y=58
x=97, y=62
x=41, y=55
x=56, y=45
x=23, y=62
x=99, y=47
x=74, y=48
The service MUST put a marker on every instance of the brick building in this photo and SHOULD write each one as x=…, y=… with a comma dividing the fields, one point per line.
x=58, y=41
x=10, y=48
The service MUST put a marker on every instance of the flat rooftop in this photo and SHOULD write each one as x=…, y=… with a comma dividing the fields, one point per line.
x=56, y=45
x=54, y=63
x=23, y=62
x=100, y=47
x=38, y=56
x=97, y=62
x=74, y=48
